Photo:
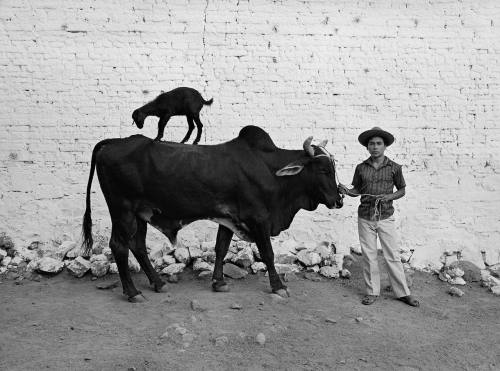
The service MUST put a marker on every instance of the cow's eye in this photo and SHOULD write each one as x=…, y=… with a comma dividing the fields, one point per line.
x=324, y=171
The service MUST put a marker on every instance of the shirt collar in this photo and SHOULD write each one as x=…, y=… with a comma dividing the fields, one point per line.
x=386, y=161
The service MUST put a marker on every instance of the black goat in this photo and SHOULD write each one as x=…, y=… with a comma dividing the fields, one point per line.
x=178, y=102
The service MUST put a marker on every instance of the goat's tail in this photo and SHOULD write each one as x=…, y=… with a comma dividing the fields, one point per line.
x=208, y=102
x=88, y=241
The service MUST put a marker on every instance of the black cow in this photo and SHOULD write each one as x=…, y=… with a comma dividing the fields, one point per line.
x=247, y=185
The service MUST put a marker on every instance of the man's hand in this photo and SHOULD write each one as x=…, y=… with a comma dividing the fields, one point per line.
x=385, y=198
x=343, y=189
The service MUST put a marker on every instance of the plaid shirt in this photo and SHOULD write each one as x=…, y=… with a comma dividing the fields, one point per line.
x=379, y=181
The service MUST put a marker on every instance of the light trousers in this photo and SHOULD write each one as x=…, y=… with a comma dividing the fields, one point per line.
x=386, y=231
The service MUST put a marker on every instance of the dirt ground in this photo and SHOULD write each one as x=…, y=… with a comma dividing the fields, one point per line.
x=64, y=323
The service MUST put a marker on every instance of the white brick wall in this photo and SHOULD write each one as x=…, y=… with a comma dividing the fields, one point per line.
x=72, y=72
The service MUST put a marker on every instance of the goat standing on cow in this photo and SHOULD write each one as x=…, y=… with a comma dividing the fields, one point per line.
x=178, y=102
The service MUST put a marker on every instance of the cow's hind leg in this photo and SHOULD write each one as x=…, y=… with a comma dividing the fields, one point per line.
x=140, y=253
x=224, y=236
x=119, y=244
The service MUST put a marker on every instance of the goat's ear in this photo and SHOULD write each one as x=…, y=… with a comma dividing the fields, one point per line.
x=292, y=168
x=323, y=143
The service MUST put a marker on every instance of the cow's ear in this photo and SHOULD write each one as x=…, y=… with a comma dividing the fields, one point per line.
x=292, y=168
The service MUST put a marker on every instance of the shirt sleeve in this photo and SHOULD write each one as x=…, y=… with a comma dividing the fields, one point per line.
x=356, y=180
x=399, y=180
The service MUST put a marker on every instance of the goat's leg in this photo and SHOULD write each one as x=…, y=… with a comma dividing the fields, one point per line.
x=190, y=129
x=161, y=126
x=199, y=127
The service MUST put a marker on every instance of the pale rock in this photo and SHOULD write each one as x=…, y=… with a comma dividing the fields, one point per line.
x=32, y=265
x=457, y=281
x=155, y=252
x=173, y=269
x=308, y=257
x=244, y=258
x=443, y=276
x=405, y=256
x=200, y=265
x=256, y=252
x=6, y=261
x=3, y=254
x=288, y=258
x=158, y=263
x=16, y=260
x=99, y=265
x=78, y=267
x=490, y=281
x=229, y=256
x=58, y=252
x=205, y=275
x=3, y=270
x=455, y=272
x=181, y=254
x=260, y=338
x=113, y=268
x=258, y=267
x=49, y=265
x=455, y=291
x=324, y=249
x=345, y=273
x=207, y=245
x=495, y=290
x=221, y=340
x=197, y=306
x=133, y=264
x=329, y=272
x=313, y=269
x=167, y=247
x=234, y=271
x=286, y=268
x=74, y=252
x=168, y=260
x=208, y=256
x=289, y=245
x=195, y=252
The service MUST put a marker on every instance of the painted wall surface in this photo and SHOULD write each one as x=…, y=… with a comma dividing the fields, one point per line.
x=428, y=71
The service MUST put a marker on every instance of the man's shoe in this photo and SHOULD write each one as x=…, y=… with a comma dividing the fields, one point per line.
x=369, y=299
x=410, y=300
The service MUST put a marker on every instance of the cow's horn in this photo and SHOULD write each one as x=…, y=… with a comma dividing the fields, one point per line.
x=307, y=146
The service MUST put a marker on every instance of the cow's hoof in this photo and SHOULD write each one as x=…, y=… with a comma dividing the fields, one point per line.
x=283, y=293
x=137, y=299
x=220, y=287
x=159, y=287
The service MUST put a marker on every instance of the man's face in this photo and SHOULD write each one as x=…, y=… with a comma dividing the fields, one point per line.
x=376, y=147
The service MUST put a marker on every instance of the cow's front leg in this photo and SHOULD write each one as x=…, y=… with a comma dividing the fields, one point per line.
x=263, y=241
x=224, y=236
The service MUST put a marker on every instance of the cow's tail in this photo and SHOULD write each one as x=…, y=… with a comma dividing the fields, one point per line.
x=208, y=102
x=88, y=241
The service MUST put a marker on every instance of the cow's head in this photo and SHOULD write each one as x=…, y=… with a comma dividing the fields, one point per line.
x=138, y=116
x=318, y=170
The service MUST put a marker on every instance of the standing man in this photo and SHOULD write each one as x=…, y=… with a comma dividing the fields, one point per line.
x=375, y=179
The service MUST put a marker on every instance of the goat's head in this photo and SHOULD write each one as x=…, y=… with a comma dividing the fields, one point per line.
x=138, y=116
